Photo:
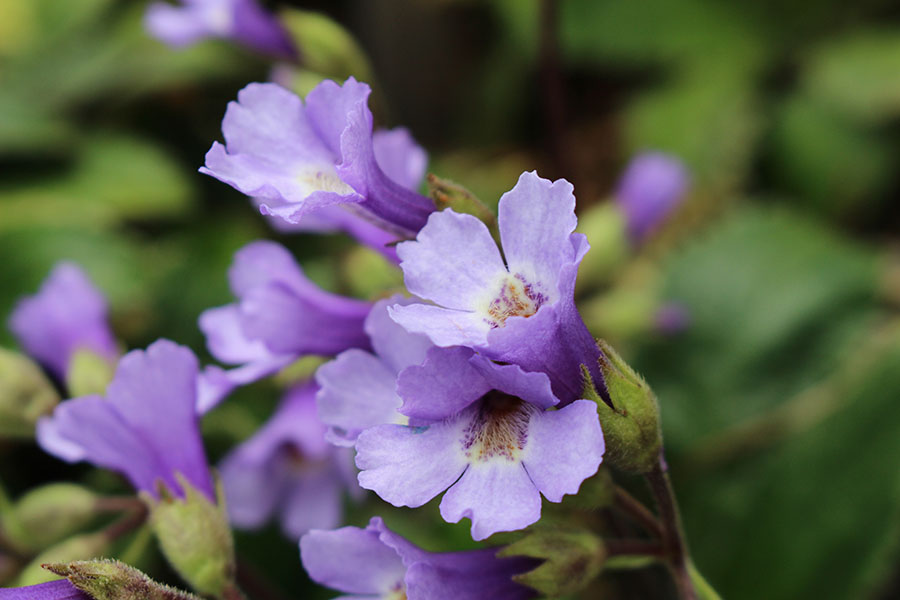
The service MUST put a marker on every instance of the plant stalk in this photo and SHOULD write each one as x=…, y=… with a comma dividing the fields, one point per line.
x=672, y=532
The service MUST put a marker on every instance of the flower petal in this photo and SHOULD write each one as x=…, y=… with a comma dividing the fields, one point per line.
x=400, y=157
x=442, y=386
x=536, y=218
x=443, y=326
x=496, y=495
x=392, y=343
x=314, y=502
x=453, y=262
x=351, y=560
x=565, y=447
x=61, y=589
x=408, y=466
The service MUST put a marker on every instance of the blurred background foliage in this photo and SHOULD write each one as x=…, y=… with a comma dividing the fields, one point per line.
x=780, y=397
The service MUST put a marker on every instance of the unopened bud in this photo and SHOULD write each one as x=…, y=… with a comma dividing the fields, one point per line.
x=89, y=373
x=448, y=194
x=194, y=535
x=368, y=273
x=79, y=547
x=25, y=395
x=631, y=425
x=604, y=226
x=48, y=515
x=113, y=580
x=572, y=559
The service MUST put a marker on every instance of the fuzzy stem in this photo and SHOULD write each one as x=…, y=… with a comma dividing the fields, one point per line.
x=638, y=512
x=634, y=548
x=673, y=534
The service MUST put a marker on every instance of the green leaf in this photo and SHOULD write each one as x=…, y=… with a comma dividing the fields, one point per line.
x=857, y=74
x=115, y=178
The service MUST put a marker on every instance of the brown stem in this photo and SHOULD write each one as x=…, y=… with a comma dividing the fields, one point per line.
x=638, y=512
x=127, y=524
x=233, y=592
x=673, y=535
x=634, y=547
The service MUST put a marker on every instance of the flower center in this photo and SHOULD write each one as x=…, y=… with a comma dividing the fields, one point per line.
x=398, y=592
x=499, y=428
x=516, y=298
x=322, y=178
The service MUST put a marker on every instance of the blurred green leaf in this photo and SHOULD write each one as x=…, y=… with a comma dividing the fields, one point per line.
x=114, y=178
x=773, y=298
x=829, y=161
x=857, y=73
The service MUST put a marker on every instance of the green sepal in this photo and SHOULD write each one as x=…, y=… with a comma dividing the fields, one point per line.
x=47, y=515
x=572, y=559
x=25, y=395
x=631, y=425
x=79, y=547
x=194, y=536
x=88, y=374
x=112, y=580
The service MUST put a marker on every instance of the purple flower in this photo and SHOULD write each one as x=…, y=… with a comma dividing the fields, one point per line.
x=358, y=388
x=652, y=187
x=288, y=468
x=482, y=430
x=401, y=159
x=520, y=311
x=280, y=316
x=299, y=159
x=375, y=562
x=147, y=426
x=241, y=20
x=68, y=314
x=54, y=590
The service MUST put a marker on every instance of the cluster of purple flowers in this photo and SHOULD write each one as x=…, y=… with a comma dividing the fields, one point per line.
x=470, y=385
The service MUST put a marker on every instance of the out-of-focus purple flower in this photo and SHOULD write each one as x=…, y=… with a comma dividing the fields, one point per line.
x=672, y=318
x=358, y=388
x=299, y=159
x=288, y=468
x=53, y=590
x=375, y=562
x=482, y=430
x=652, y=187
x=145, y=428
x=280, y=316
x=68, y=314
x=244, y=21
x=520, y=311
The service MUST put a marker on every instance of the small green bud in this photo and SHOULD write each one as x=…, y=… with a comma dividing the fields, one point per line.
x=631, y=426
x=79, y=547
x=89, y=373
x=113, y=580
x=325, y=47
x=194, y=536
x=25, y=395
x=368, y=274
x=48, y=515
x=447, y=194
x=572, y=559
x=604, y=226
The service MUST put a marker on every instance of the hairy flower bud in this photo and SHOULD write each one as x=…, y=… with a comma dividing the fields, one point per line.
x=631, y=424
x=25, y=395
x=572, y=559
x=113, y=580
x=193, y=534
x=448, y=194
x=79, y=547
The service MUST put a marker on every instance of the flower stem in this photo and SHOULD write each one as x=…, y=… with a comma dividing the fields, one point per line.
x=233, y=592
x=635, y=509
x=673, y=534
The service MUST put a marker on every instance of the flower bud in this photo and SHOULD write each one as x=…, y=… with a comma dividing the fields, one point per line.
x=79, y=547
x=89, y=373
x=447, y=194
x=631, y=425
x=48, y=515
x=113, y=580
x=604, y=226
x=25, y=395
x=572, y=559
x=193, y=534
